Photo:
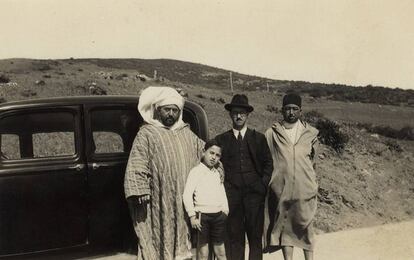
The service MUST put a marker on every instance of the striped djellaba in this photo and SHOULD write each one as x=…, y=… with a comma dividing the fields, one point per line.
x=159, y=164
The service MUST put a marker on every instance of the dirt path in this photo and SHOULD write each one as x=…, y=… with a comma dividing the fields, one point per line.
x=393, y=241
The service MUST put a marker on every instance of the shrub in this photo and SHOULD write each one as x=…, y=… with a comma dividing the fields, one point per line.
x=272, y=109
x=28, y=93
x=385, y=131
x=42, y=67
x=40, y=82
x=200, y=96
x=405, y=133
x=95, y=90
x=331, y=135
x=221, y=101
x=217, y=100
x=313, y=116
x=4, y=78
x=122, y=76
x=2, y=100
x=393, y=146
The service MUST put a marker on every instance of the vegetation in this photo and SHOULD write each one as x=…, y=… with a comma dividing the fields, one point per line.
x=405, y=133
x=272, y=109
x=329, y=131
x=4, y=78
x=198, y=74
x=394, y=146
x=368, y=94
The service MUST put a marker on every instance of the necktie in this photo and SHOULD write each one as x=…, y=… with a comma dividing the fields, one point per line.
x=239, y=137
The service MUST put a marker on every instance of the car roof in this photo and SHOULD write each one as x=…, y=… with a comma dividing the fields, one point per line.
x=190, y=106
x=73, y=100
x=68, y=100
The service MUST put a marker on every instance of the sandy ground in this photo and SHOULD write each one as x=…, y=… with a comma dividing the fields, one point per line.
x=392, y=241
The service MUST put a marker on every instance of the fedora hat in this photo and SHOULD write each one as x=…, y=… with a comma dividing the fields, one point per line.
x=239, y=100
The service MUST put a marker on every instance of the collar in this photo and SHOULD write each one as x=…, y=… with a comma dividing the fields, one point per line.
x=288, y=126
x=242, y=131
x=206, y=168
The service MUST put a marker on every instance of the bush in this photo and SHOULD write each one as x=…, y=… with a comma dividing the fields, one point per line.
x=393, y=146
x=4, y=78
x=217, y=100
x=28, y=93
x=221, y=101
x=42, y=67
x=122, y=76
x=200, y=96
x=272, y=109
x=313, y=116
x=331, y=135
x=405, y=133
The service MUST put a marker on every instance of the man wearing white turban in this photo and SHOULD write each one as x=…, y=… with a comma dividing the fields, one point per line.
x=163, y=152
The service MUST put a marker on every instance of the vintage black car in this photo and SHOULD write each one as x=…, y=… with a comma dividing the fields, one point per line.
x=61, y=173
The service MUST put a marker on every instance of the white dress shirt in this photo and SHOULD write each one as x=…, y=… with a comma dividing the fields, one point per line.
x=242, y=131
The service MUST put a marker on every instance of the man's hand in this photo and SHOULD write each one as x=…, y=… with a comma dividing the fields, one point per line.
x=195, y=223
x=143, y=199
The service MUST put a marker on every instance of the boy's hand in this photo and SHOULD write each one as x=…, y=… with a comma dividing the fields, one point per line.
x=195, y=223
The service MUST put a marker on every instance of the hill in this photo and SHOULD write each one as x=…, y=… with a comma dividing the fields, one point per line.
x=369, y=182
x=198, y=74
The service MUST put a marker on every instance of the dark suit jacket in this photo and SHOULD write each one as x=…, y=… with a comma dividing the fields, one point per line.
x=258, y=149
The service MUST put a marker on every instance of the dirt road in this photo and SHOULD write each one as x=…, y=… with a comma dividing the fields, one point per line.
x=393, y=241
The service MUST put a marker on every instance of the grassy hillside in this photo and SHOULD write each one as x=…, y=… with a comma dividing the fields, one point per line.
x=370, y=182
x=198, y=74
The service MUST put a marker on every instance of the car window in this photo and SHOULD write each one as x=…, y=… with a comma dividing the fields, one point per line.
x=114, y=129
x=10, y=148
x=37, y=135
x=108, y=142
x=53, y=144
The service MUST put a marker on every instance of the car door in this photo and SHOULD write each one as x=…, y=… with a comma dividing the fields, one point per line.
x=110, y=131
x=43, y=202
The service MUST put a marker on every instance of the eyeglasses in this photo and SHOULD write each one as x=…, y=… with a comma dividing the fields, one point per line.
x=241, y=114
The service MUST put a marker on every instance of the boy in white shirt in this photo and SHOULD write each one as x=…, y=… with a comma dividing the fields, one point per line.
x=206, y=203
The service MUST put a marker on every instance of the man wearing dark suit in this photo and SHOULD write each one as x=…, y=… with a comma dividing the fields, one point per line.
x=248, y=167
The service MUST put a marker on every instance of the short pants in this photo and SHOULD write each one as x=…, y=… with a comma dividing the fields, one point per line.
x=213, y=228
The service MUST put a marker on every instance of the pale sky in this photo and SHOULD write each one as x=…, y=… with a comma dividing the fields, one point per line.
x=353, y=42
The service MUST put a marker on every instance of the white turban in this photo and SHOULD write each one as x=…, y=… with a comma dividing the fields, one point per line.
x=153, y=97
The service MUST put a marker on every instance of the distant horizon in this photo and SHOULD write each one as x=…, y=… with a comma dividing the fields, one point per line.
x=253, y=75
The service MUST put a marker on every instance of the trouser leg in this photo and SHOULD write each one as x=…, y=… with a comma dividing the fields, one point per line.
x=254, y=221
x=235, y=241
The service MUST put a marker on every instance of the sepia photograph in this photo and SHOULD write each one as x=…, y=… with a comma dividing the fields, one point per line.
x=195, y=129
